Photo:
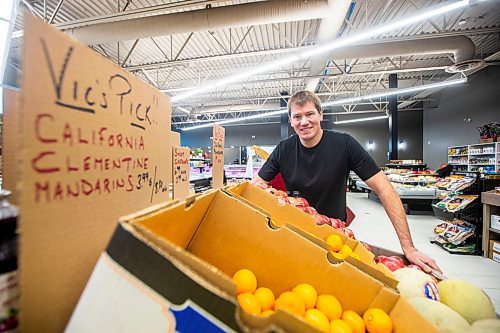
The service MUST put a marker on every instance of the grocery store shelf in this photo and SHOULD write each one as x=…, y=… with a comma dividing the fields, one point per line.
x=495, y=231
x=451, y=250
x=492, y=153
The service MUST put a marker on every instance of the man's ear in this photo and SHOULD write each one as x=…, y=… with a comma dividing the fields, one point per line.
x=321, y=115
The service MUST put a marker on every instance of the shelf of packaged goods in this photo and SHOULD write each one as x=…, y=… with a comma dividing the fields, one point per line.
x=479, y=154
x=481, y=163
x=451, y=251
x=459, y=155
x=464, y=164
x=495, y=231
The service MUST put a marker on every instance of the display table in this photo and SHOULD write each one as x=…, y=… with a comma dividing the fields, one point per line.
x=491, y=206
x=416, y=201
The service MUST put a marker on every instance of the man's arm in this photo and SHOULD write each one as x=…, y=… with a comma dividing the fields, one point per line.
x=394, y=209
x=256, y=179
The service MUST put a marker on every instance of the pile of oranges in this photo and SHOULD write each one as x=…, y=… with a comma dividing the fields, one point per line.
x=338, y=249
x=323, y=312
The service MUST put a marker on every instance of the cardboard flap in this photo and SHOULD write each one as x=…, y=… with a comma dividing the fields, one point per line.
x=284, y=214
x=176, y=222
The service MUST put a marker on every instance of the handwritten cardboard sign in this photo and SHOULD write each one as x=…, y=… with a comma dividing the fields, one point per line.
x=218, y=156
x=175, y=139
x=180, y=176
x=95, y=146
x=10, y=144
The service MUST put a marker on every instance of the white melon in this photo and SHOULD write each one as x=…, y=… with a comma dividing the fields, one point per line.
x=466, y=299
x=413, y=283
x=447, y=320
x=486, y=325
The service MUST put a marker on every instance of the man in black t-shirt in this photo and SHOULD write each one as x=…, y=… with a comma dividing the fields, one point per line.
x=316, y=163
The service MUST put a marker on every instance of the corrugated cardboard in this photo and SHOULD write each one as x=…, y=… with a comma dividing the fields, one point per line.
x=184, y=253
x=287, y=215
x=10, y=144
x=180, y=170
x=494, y=245
x=219, y=134
x=175, y=138
x=95, y=145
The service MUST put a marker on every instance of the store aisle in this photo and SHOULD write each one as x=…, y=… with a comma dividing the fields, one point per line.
x=374, y=227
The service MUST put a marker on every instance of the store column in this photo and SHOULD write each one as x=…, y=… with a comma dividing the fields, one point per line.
x=284, y=125
x=393, y=120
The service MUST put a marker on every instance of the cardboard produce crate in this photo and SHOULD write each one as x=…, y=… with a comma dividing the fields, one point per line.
x=169, y=268
x=494, y=252
x=283, y=215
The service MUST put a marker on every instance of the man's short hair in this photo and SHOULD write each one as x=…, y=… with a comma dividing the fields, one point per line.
x=301, y=98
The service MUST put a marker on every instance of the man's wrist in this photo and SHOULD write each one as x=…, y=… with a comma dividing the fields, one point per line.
x=408, y=249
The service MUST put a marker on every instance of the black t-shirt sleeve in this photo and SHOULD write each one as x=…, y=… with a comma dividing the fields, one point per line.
x=271, y=167
x=359, y=160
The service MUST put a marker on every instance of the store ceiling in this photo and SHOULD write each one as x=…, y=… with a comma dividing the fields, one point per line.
x=180, y=45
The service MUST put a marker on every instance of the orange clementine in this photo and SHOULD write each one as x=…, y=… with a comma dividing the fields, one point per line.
x=317, y=319
x=335, y=242
x=245, y=281
x=266, y=313
x=377, y=321
x=265, y=296
x=249, y=303
x=338, y=255
x=307, y=294
x=345, y=250
x=354, y=320
x=330, y=306
x=339, y=326
x=290, y=302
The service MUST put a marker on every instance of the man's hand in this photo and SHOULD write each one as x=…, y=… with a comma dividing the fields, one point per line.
x=421, y=260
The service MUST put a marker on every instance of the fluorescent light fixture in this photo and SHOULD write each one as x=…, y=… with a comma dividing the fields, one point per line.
x=235, y=120
x=338, y=43
x=183, y=109
x=353, y=100
x=371, y=145
x=359, y=119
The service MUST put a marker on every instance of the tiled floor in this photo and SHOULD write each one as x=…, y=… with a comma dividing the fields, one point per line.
x=374, y=227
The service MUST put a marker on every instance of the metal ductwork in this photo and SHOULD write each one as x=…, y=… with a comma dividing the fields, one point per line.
x=257, y=13
x=329, y=29
x=461, y=47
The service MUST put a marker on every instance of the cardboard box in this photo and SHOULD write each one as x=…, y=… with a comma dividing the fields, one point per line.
x=495, y=256
x=494, y=245
x=169, y=268
x=488, y=140
x=283, y=215
x=495, y=222
x=93, y=145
